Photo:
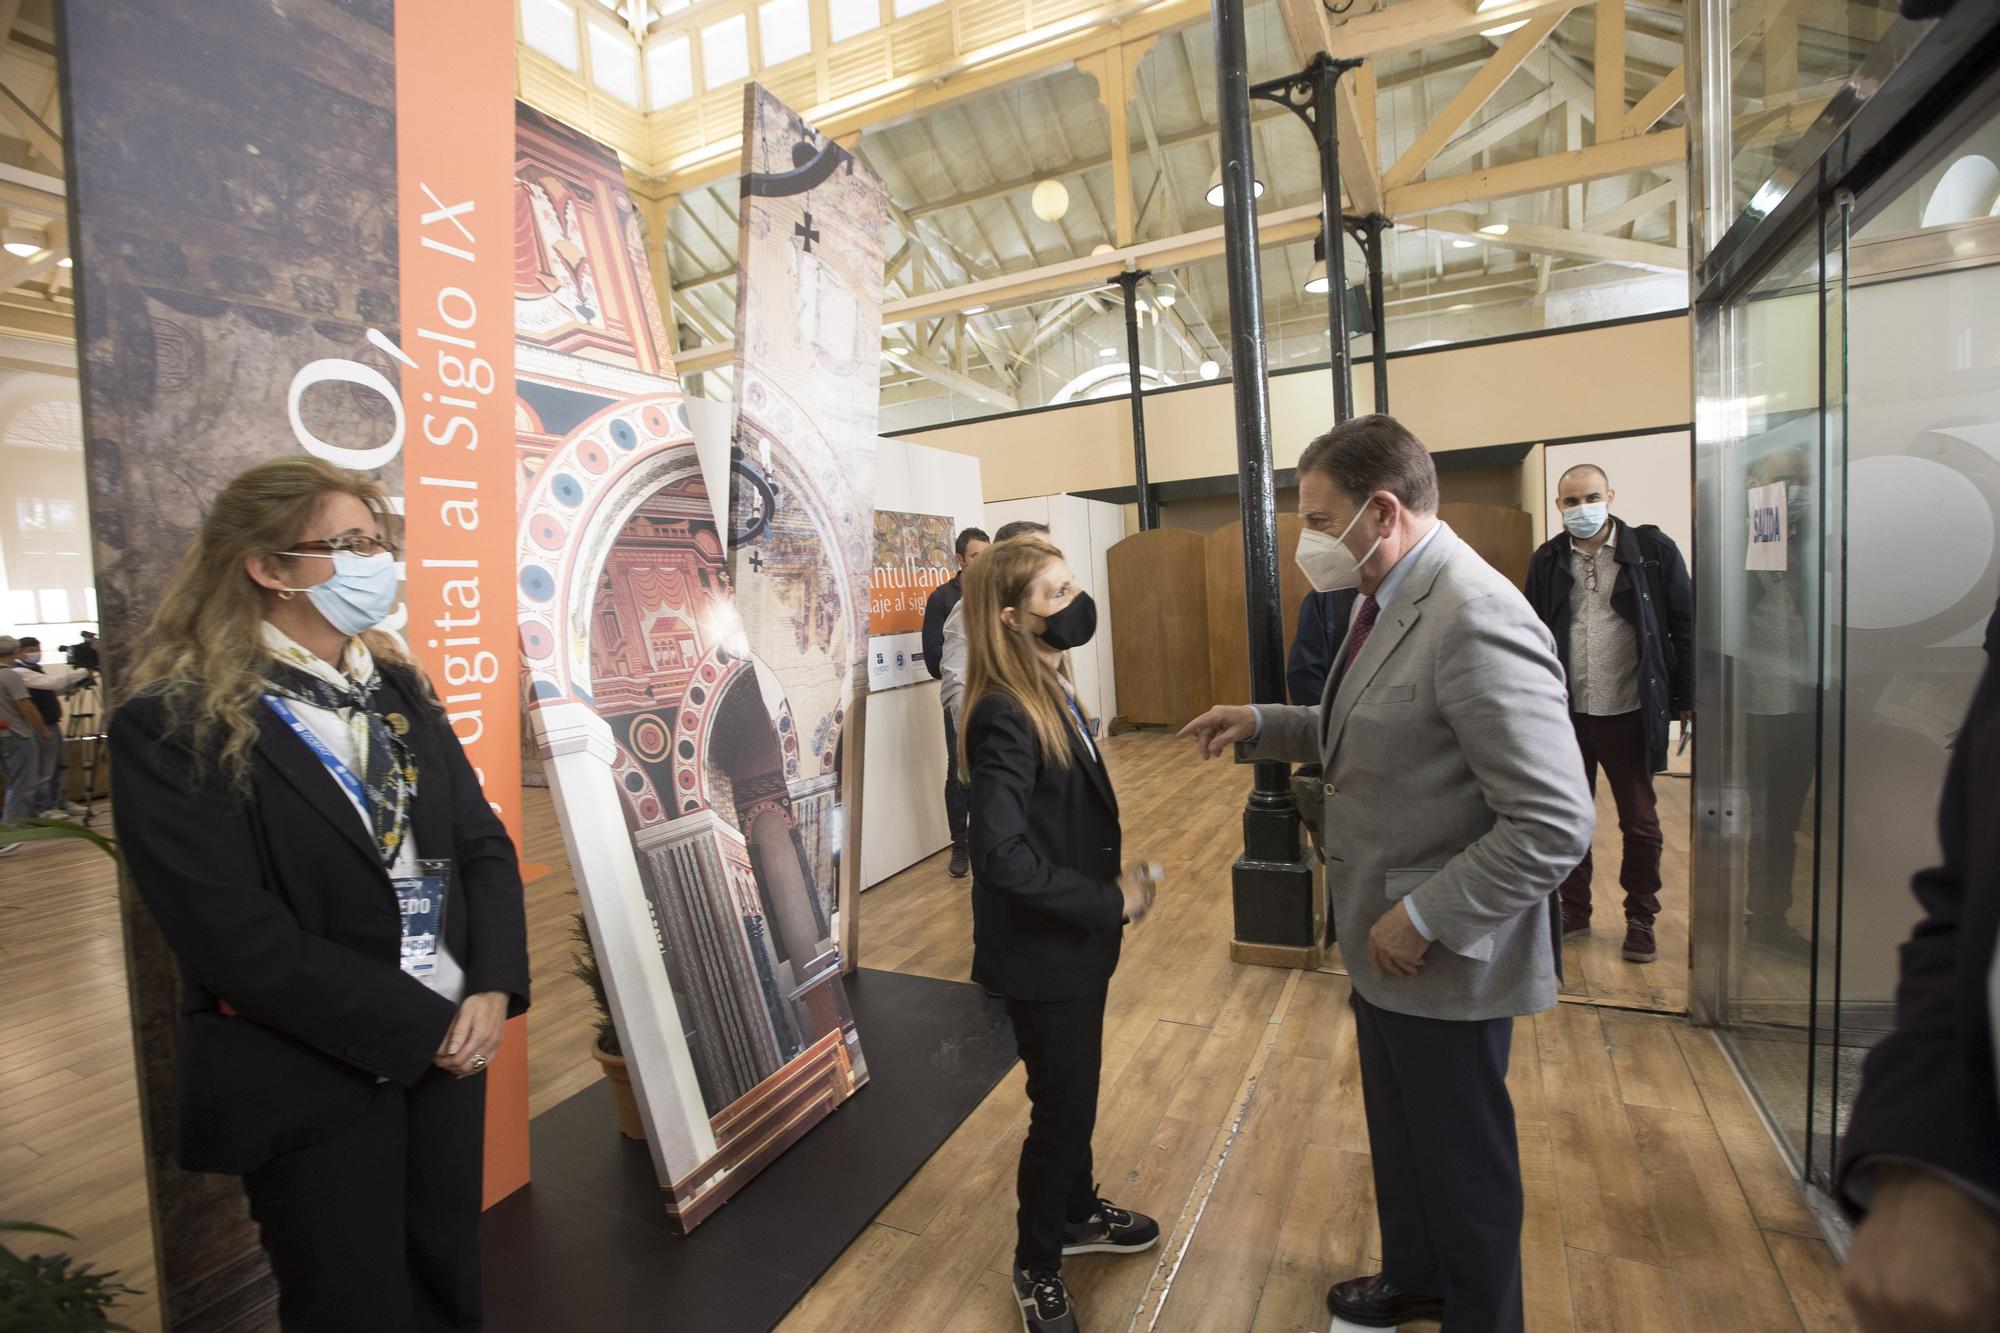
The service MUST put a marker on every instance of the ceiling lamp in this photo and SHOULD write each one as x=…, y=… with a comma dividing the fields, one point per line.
x=1106, y=353
x=1103, y=248
x=1494, y=229
x=1214, y=193
x=1050, y=200
x=1166, y=298
x=20, y=242
x=1316, y=278
x=897, y=349
x=65, y=262
x=1209, y=370
x=978, y=309
x=1462, y=244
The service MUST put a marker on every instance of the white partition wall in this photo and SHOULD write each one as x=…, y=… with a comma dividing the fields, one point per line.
x=1085, y=530
x=903, y=767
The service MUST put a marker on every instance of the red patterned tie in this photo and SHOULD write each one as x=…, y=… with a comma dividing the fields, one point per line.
x=1364, y=621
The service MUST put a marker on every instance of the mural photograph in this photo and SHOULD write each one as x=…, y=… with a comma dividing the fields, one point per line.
x=630, y=607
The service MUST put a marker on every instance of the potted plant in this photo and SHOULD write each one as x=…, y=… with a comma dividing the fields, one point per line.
x=583, y=966
x=52, y=1293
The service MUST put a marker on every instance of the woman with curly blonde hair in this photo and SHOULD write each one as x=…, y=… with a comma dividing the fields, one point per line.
x=344, y=906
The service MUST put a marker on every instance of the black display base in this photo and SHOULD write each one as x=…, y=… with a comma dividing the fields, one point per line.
x=588, y=1244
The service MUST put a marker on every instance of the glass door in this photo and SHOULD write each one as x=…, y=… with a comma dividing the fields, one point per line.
x=1848, y=482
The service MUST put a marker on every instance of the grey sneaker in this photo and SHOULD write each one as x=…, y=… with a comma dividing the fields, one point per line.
x=1111, y=1231
x=1044, y=1301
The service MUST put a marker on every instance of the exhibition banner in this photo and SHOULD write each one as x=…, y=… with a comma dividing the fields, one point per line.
x=289, y=225
x=687, y=788
x=913, y=558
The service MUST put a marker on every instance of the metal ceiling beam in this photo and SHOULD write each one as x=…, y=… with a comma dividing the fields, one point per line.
x=1563, y=243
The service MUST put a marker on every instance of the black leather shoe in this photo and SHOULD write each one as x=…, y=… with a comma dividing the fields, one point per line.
x=960, y=866
x=1373, y=1302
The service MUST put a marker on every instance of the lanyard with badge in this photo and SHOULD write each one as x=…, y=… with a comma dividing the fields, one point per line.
x=421, y=896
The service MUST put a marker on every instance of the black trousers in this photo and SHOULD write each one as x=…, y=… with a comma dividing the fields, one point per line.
x=957, y=801
x=378, y=1227
x=1062, y=1044
x=1781, y=762
x=1447, y=1164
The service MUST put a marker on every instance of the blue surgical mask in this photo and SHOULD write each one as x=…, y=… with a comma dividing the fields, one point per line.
x=361, y=593
x=1586, y=520
x=32, y=659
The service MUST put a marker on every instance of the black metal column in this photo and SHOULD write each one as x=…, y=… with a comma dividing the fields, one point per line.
x=1370, y=230
x=1149, y=504
x=1276, y=898
x=1333, y=231
x=1309, y=94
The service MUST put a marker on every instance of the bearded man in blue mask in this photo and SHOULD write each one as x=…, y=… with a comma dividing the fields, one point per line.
x=1618, y=600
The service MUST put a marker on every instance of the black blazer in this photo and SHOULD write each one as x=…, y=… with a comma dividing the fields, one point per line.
x=1927, y=1092
x=278, y=905
x=1047, y=916
x=1653, y=593
x=937, y=610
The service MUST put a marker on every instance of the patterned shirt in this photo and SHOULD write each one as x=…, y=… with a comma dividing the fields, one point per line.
x=1603, y=646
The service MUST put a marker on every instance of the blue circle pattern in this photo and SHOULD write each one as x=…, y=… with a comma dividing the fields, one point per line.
x=537, y=583
x=623, y=435
x=567, y=490
x=634, y=782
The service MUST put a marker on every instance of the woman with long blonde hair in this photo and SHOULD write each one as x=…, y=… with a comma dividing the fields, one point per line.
x=345, y=908
x=1049, y=902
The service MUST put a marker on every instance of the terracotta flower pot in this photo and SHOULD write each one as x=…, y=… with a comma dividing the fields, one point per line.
x=629, y=1123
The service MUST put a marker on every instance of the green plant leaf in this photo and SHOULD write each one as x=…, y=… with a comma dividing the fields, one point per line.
x=43, y=830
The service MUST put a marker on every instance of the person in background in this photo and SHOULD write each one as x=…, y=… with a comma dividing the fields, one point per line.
x=1323, y=618
x=345, y=907
x=1049, y=902
x=1621, y=607
x=1920, y=1164
x=46, y=687
x=1455, y=805
x=23, y=735
x=971, y=544
x=951, y=659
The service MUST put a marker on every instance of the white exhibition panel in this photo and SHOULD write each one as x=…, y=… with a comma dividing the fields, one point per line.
x=1085, y=530
x=903, y=762
x=714, y=425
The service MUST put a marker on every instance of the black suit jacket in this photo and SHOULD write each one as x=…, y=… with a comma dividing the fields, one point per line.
x=1047, y=916
x=277, y=905
x=1927, y=1091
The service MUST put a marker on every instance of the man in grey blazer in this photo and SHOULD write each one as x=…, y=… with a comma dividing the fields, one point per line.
x=1455, y=805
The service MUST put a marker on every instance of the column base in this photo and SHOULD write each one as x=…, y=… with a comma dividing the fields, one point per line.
x=1279, y=899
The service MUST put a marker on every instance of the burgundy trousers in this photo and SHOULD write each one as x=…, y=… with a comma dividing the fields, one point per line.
x=1617, y=744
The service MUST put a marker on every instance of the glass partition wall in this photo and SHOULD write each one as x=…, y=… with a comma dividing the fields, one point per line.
x=1847, y=487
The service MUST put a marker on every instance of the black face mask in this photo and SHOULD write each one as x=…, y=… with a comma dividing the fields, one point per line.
x=1071, y=627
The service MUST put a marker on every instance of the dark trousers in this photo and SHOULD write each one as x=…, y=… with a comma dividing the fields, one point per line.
x=1062, y=1044
x=378, y=1227
x=1781, y=760
x=956, y=800
x=1447, y=1165
x=1618, y=745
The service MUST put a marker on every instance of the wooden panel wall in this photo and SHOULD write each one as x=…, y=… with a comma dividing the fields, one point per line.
x=1228, y=612
x=1159, y=626
x=1504, y=535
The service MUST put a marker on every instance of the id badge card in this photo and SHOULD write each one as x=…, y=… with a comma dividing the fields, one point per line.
x=422, y=898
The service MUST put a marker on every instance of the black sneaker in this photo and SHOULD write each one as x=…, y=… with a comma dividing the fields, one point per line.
x=960, y=866
x=1044, y=1301
x=1111, y=1231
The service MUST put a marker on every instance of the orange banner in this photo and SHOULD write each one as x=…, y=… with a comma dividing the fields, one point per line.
x=454, y=201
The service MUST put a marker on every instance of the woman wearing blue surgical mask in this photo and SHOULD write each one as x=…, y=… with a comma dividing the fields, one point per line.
x=345, y=908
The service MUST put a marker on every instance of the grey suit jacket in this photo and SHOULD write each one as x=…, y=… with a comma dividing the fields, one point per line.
x=1452, y=777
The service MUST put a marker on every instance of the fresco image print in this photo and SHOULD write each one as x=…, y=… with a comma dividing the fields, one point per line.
x=628, y=606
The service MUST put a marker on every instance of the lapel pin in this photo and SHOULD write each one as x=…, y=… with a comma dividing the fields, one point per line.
x=398, y=723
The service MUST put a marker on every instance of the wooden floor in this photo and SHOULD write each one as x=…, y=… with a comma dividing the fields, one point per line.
x=1231, y=1110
